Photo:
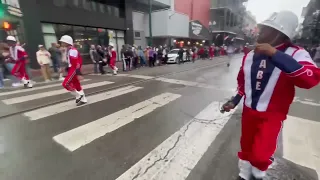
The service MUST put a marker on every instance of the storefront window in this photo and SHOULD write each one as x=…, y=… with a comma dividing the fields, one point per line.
x=103, y=37
x=120, y=42
x=102, y=8
x=83, y=37
x=92, y=36
x=94, y=6
x=80, y=39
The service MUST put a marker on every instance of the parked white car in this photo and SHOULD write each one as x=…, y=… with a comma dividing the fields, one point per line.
x=173, y=56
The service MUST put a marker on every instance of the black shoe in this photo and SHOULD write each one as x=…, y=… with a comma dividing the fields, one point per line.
x=81, y=103
x=79, y=99
x=253, y=178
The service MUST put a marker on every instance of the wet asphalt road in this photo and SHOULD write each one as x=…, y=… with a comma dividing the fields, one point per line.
x=42, y=138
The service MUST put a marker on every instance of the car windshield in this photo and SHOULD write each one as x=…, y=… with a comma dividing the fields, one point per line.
x=175, y=51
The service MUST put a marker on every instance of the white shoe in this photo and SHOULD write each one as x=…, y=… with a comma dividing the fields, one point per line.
x=61, y=79
x=28, y=84
x=16, y=84
x=115, y=72
x=24, y=81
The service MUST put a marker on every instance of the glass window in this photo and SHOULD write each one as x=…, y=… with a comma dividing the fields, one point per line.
x=120, y=34
x=116, y=12
x=86, y=5
x=109, y=9
x=64, y=30
x=94, y=6
x=103, y=37
x=60, y=3
x=48, y=39
x=48, y=28
x=80, y=39
x=92, y=36
x=102, y=8
x=120, y=42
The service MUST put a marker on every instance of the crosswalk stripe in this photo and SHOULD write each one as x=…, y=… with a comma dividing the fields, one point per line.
x=302, y=149
x=50, y=93
x=80, y=136
x=69, y=105
x=178, y=155
x=141, y=76
x=34, y=88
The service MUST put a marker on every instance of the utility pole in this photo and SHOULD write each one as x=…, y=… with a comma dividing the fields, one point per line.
x=150, y=22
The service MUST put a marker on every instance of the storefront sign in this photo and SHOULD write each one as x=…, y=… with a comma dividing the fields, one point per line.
x=198, y=31
x=13, y=7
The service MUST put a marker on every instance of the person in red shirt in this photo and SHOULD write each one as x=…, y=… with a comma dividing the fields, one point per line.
x=267, y=80
x=19, y=56
x=74, y=60
x=211, y=52
x=113, y=58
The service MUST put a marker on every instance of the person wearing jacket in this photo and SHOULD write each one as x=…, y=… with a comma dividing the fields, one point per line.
x=267, y=80
x=19, y=56
x=74, y=59
x=94, y=58
x=43, y=58
x=102, y=61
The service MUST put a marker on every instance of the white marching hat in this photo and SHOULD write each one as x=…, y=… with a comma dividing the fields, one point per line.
x=11, y=38
x=283, y=21
x=66, y=39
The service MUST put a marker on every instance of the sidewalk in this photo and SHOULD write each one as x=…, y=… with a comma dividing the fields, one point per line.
x=85, y=69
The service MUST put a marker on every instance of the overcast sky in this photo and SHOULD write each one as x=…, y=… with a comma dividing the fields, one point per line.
x=262, y=9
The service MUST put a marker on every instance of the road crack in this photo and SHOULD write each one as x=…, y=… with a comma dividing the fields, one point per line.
x=167, y=153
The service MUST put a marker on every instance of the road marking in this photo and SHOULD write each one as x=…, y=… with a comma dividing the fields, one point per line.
x=80, y=136
x=190, y=83
x=301, y=143
x=69, y=105
x=141, y=76
x=50, y=93
x=178, y=155
x=306, y=101
x=34, y=88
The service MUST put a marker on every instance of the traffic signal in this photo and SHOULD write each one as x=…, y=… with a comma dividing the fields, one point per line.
x=6, y=25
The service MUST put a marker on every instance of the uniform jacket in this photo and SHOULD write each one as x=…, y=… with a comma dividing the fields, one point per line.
x=268, y=83
x=74, y=58
x=18, y=53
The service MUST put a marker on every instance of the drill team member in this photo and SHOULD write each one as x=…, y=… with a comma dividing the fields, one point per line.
x=19, y=56
x=267, y=80
x=113, y=58
x=71, y=82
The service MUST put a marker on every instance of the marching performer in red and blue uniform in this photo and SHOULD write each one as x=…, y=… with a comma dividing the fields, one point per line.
x=71, y=82
x=267, y=80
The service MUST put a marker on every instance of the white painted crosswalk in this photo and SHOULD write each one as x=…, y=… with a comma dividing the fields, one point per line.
x=22, y=99
x=34, y=89
x=177, y=155
x=85, y=134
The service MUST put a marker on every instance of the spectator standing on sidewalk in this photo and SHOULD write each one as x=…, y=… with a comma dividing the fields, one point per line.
x=101, y=59
x=4, y=52
x=141, y=56
x=151, y=58
x=94, y=58
x=43, y=58
x=54, y=51
x=317, y=54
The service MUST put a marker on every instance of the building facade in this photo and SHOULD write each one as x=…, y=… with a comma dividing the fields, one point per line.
x=226, y=20
x=174, y=26
x=97, y=22
x=311, y=25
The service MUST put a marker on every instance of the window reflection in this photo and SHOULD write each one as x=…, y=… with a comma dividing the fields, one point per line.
x=80, y=39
